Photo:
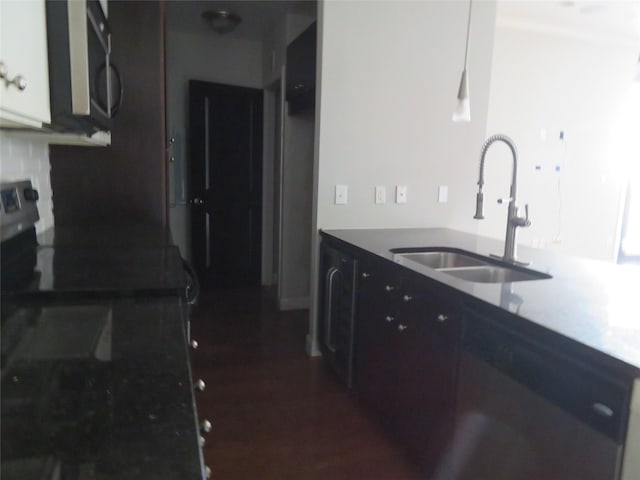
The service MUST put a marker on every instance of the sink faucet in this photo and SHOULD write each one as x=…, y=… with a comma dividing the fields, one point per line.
x=513, y=220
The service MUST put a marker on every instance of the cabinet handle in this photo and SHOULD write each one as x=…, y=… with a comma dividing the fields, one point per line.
x=200, y=385
x=19, y=81
x=389, y=319
x=207, y=471
x=327, y=307
x=365, y=275
x=201, y=441
x=442, y=318
x=389, y=288
x=407, y=298
x=602, y=409
x=194, y=344
x=402, y=328
x=206, y=426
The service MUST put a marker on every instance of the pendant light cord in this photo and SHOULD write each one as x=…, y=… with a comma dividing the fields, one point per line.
x=466, y=49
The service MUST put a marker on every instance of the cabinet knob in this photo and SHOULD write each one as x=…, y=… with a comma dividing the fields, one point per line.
x=201, y=441
x=389, y=288
x=200, y=385
x=402, y=328
x=207, y=471
x=194, y=344
x=407, y=298
x=389, y=319
x=205, y=426
x=18, y=81
x=442, y=318
x=365, y=275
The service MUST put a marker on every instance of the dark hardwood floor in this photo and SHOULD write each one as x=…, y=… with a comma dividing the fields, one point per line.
x=277, y=413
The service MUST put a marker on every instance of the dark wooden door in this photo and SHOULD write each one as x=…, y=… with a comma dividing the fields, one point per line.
x=225, y=141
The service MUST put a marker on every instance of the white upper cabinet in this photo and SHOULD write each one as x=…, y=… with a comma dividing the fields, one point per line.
x=24, y=86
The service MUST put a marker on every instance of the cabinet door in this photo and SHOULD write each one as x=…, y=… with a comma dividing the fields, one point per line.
x=23, y=52
x=426, y=376
x=376, y=351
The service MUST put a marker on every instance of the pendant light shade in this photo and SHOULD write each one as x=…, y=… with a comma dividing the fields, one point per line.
x=462, y=113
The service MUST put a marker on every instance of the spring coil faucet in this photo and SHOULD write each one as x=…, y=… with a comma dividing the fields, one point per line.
x=513, y=220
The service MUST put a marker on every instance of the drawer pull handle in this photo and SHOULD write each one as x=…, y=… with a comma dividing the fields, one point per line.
x=365, y=275
x=602, y=409
x=389, y=288
x=407, y=298
x=389, y=319
x=442, y=318
x=206, y=426
x=402, y=328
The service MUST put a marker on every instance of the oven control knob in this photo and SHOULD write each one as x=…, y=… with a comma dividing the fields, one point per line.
x=194, y=344
x=200, y=385
x=205, y=426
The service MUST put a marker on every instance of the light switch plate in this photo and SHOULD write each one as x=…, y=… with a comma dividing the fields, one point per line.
x=401, y=194
x=443, y=194
x=381, y=194
x=341, y=195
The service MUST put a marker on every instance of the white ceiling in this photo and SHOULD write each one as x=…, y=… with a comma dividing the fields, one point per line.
x=617, y=20
x=258, y=17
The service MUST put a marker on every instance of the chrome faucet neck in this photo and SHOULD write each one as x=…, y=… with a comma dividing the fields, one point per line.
x=513, y=220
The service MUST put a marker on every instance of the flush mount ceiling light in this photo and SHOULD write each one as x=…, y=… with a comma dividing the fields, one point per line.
x=222, y=21
x=462, y=113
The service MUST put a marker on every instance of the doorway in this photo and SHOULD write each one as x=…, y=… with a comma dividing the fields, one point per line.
x=225, y=149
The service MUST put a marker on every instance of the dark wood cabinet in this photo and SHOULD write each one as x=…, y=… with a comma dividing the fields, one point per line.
x=406, y=357
x=301, y=71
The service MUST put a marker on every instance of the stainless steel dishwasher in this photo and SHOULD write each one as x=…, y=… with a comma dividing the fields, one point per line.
x=528, y=412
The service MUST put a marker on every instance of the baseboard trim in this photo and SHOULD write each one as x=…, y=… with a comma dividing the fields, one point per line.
x=295, y=303
x=311, y=346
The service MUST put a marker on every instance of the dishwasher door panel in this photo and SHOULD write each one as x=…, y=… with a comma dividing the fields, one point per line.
x=504, y=431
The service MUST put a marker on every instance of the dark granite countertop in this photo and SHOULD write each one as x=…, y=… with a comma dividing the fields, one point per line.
x=97, y=390
x=589, y=302
x=102, y=261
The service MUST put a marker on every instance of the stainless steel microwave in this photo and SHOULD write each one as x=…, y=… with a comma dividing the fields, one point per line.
x=85, y=88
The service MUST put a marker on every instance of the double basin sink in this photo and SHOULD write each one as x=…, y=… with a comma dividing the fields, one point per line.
x=466, y=265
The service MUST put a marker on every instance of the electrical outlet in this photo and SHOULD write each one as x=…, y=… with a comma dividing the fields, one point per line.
x=443, y=194
x=401, y=194
x=381, y=194
x=341, y=195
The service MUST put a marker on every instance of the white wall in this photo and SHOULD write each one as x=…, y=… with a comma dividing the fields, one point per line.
x=210, y=57
x=22, y=159
x=297, y=190
x=297, y=177
x=389, y=87
x=550, y=81
x=388, y=90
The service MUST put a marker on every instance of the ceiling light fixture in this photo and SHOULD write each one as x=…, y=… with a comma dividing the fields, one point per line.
x=462, y=113
x=222, y=21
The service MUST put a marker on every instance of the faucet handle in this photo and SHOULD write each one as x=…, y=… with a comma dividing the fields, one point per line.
x=523, y=221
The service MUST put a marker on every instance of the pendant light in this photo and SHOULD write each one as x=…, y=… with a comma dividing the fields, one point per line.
x=462, y=113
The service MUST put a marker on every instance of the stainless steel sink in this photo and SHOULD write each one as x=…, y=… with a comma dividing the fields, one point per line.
x=466, y=265
x=442, y=259
x=493, y=274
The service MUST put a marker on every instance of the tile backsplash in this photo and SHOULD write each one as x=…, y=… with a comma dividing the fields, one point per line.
x=22, y=158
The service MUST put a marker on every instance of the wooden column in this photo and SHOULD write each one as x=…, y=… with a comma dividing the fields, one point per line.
x=127, y=181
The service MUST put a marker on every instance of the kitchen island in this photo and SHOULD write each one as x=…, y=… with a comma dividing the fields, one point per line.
x=419, y=331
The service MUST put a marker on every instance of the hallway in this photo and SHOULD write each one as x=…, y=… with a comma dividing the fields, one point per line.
x=276, y=413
